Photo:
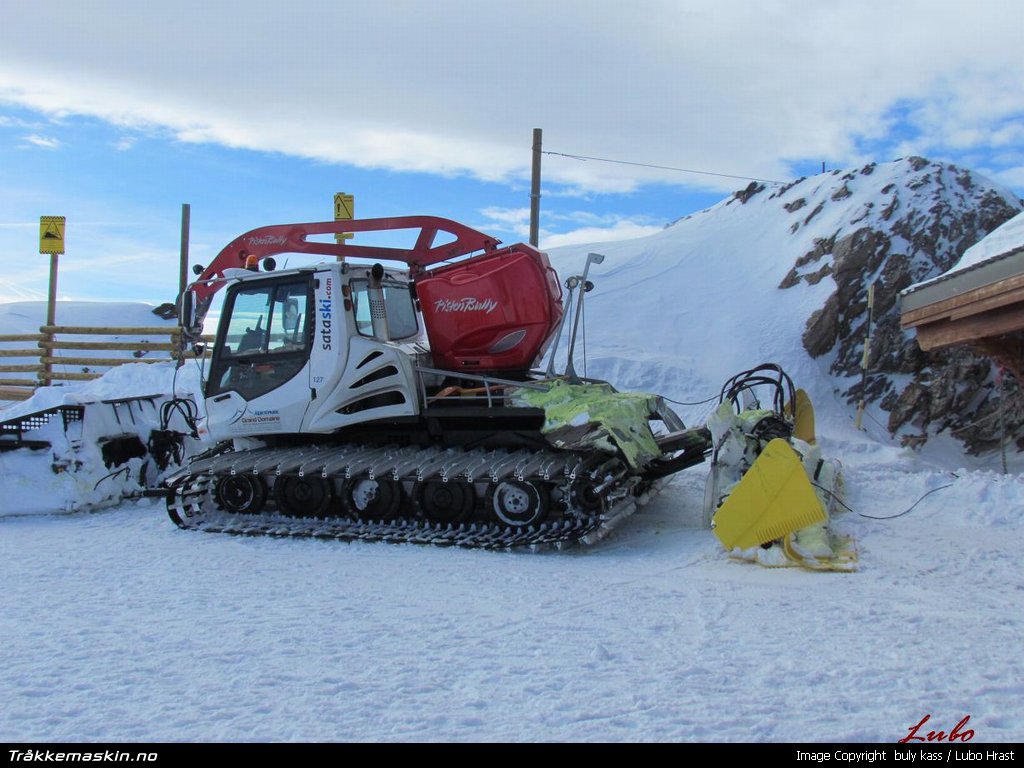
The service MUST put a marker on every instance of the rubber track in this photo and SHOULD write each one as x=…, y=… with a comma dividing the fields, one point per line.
x=190, y=504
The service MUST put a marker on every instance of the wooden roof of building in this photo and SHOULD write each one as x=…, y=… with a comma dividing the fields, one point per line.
x=981, y=305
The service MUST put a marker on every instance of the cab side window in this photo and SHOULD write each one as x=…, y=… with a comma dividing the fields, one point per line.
x=398, y=301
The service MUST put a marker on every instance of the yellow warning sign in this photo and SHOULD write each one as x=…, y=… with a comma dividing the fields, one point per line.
x=344, y=210
x=51, y=234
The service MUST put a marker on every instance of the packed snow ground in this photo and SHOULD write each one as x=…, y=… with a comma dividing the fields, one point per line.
x=117, y=626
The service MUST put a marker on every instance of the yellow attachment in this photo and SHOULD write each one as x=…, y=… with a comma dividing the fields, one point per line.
x=785, y=554
x=802, y=411
x=773, y=499
x=843, y=558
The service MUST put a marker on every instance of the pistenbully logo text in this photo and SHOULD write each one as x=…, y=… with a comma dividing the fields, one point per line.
x=466, y=304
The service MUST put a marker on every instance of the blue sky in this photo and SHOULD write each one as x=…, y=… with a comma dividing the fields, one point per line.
x=258, y=113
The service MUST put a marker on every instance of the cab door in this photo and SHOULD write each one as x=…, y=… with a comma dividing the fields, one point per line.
x=259, y=378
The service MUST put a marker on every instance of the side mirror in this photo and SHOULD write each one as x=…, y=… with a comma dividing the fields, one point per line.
x=187, y=315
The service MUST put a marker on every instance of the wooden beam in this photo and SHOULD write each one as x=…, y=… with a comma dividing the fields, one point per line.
x=1016, y=296
x=167, y=330
x=19, y=352
x=127, y=345
x=104, y=361
x=993, y=295
x=15, y=393
x=75, y=376
x=948, y=333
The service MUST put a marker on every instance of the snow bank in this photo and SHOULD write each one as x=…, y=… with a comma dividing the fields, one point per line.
x=71, y=474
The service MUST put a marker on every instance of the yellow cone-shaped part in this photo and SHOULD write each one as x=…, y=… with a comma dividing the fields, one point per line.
x=802, y=411
x=773, y=499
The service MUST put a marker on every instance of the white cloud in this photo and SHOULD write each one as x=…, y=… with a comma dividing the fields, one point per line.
x=456, y=87
x=512, y=220
x=12, y=290
x=7, y=121
x=1010, y=177
x=507, y=216
x=624, y=229
x=45, y=142
x=596, y=227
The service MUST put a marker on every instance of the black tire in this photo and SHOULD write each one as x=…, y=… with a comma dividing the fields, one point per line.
x=446, y=503
x=518, y=504
x=303, y=496
x=379, y=499
x=241, y=494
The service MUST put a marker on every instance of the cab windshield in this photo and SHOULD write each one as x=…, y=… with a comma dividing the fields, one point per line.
x=265, y=341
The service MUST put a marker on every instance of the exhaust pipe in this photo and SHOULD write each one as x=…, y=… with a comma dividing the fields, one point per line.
x=378, y=307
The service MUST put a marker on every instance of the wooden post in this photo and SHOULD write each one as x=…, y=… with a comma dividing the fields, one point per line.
x=51, y=241
x=51, y=315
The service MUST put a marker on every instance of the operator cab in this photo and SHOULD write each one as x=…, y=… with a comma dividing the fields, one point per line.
x=272, y=322
x=264, y=337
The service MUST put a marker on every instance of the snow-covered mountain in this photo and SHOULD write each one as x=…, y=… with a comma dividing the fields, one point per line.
x=781, y=274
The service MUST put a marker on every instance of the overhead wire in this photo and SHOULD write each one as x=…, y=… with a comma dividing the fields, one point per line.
x=662, y=167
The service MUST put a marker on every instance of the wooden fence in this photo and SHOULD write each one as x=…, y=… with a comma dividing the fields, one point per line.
x=49, y=366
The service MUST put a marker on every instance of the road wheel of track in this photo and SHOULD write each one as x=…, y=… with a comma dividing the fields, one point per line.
x=585, y=497
x=367, y=499
x=518, y=504
x=303, y=496
x=450, y=502
x=241, y=494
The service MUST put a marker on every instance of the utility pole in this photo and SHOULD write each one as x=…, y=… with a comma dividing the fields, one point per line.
x=535, y=189
x=186, y=215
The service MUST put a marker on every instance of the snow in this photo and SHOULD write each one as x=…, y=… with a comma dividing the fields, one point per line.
x=118, y=626
x=997, y=244
x=31, y=485
x=27, y=316
x=1002, y=240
